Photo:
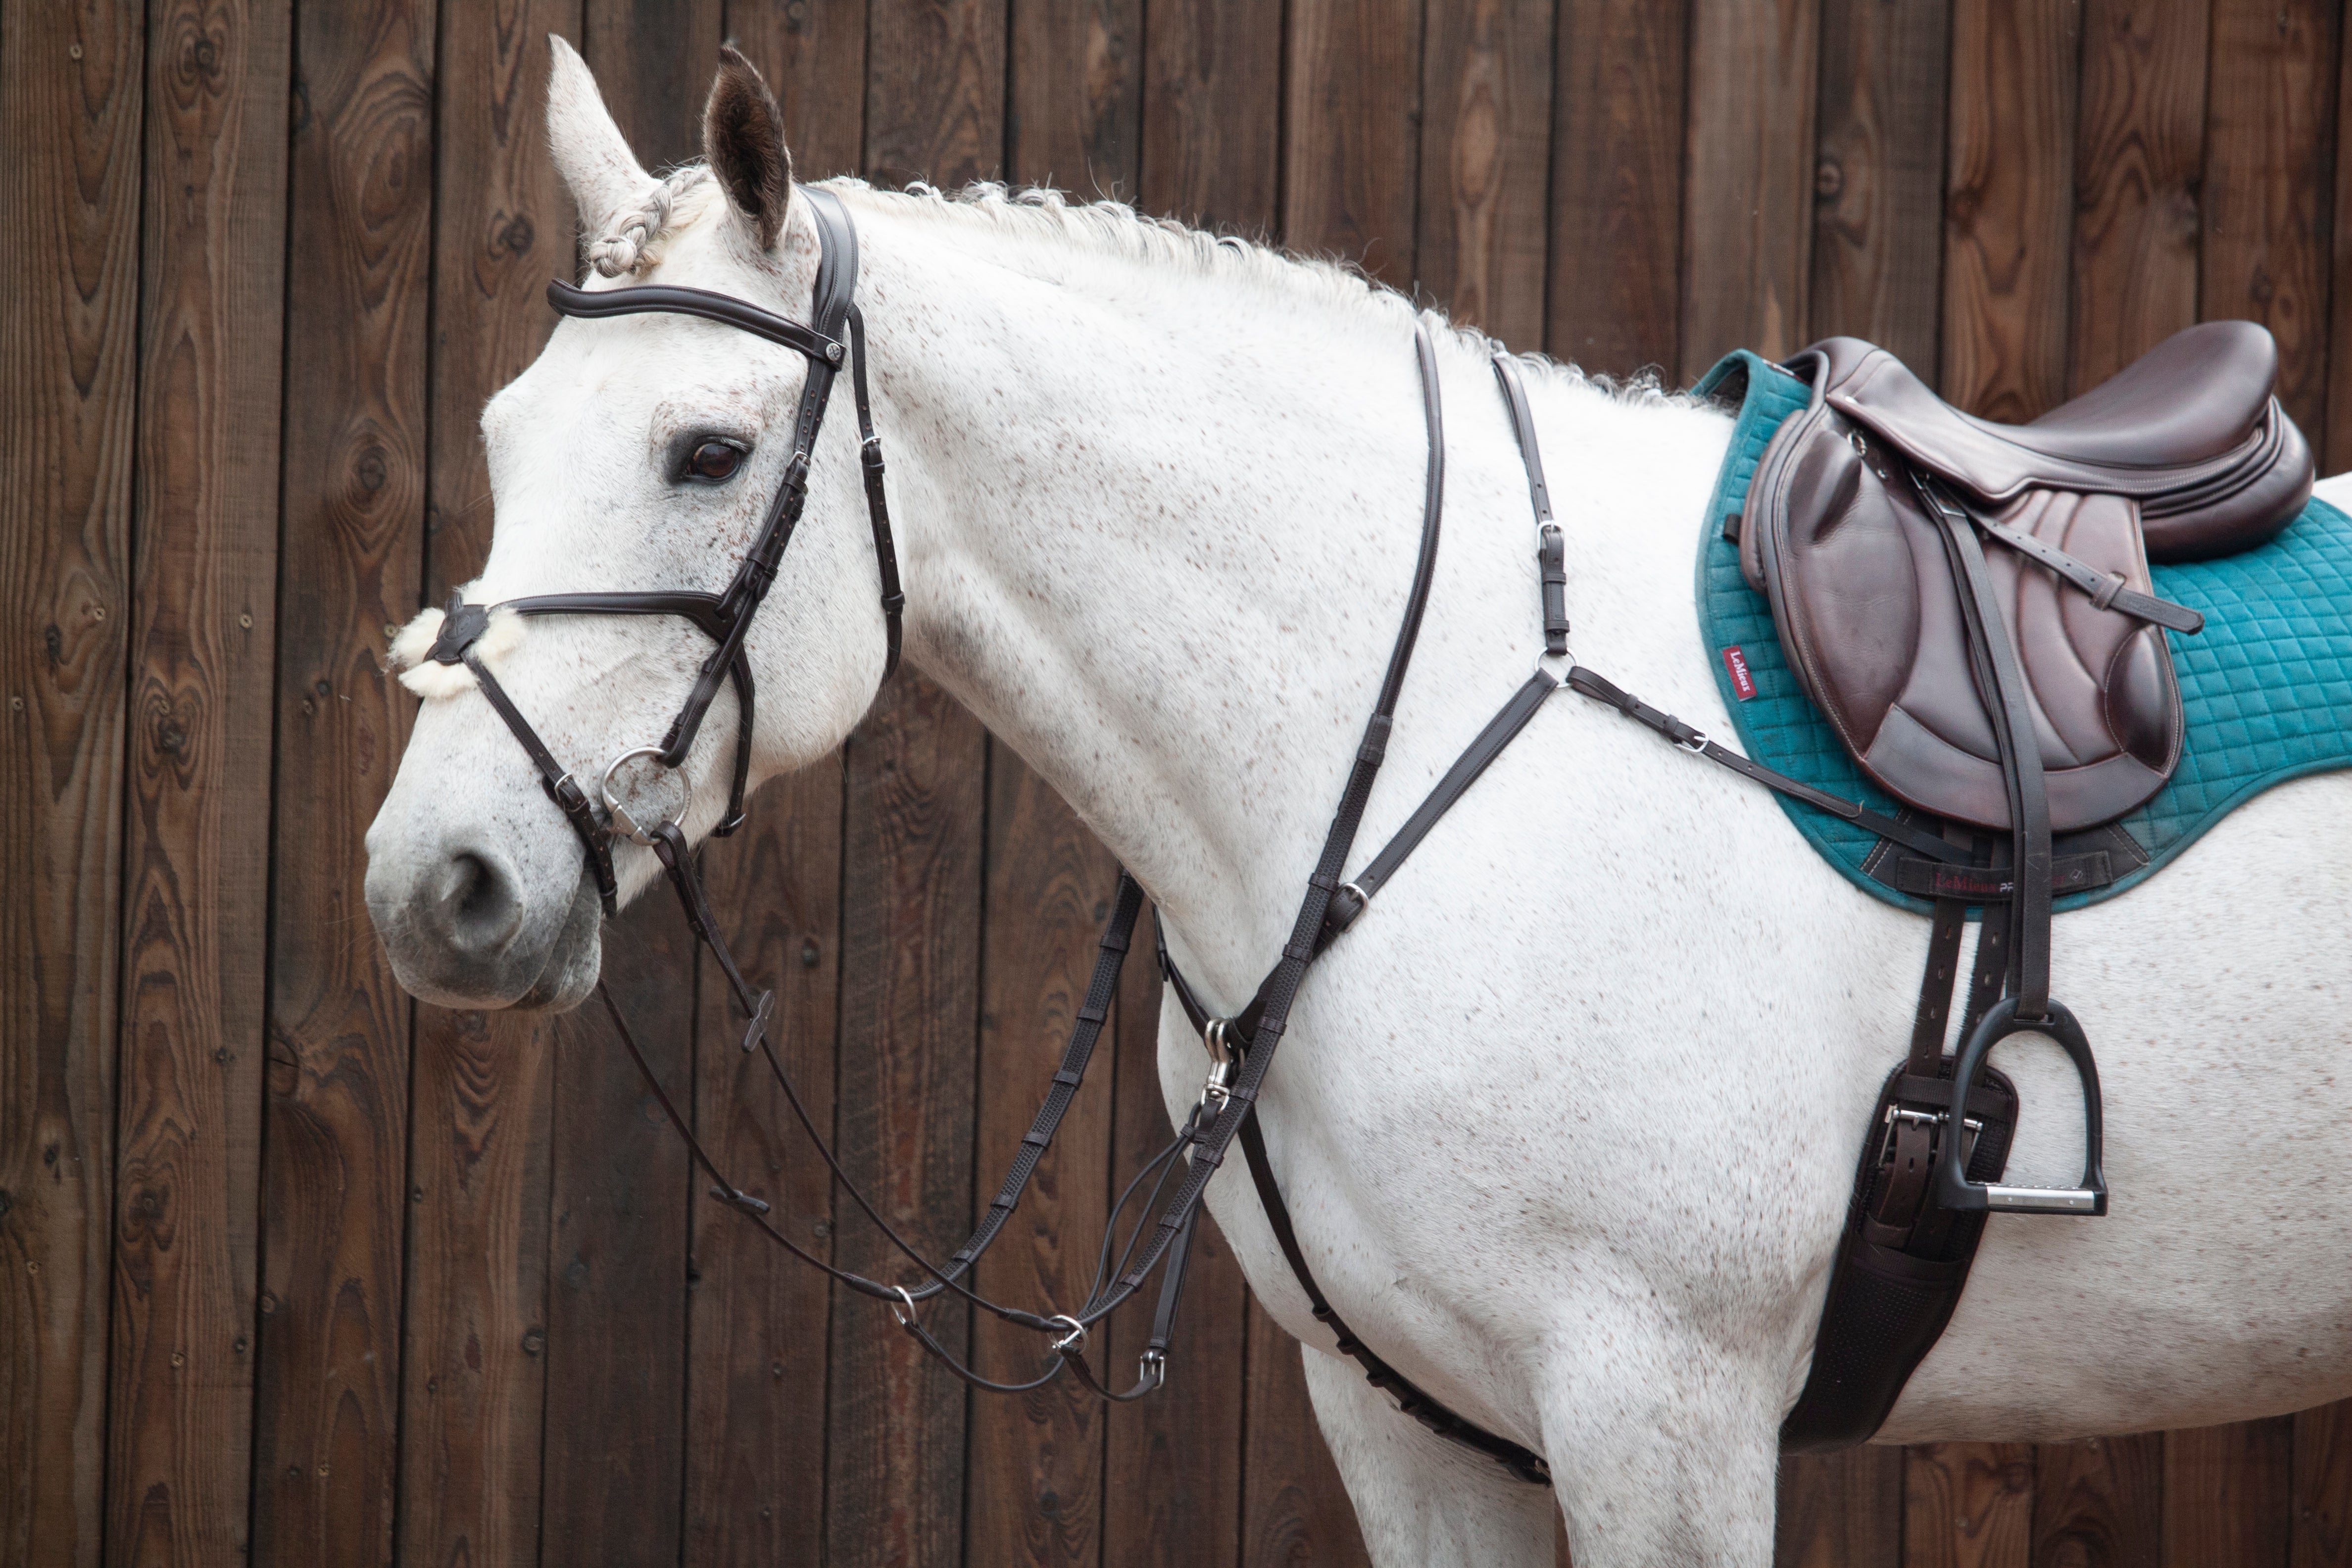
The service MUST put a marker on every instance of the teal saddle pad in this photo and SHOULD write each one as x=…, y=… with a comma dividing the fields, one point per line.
x=2267, y=686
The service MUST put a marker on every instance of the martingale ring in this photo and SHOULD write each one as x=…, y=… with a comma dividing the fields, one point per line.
x=628, y=824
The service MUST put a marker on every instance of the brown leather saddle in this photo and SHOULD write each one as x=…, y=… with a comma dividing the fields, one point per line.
x=2184, y=456
x=1970, y=606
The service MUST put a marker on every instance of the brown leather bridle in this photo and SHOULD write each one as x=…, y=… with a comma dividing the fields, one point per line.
x=1243, y=1047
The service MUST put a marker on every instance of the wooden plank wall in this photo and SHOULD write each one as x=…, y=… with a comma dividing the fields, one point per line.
x=302, y=1271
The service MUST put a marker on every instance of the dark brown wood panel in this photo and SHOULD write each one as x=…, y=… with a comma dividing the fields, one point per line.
x=1747, y=205
x=616, y=1289
x=2270, y=182
x=1485, y=163
x=1035, y=1468
x=755, y=1418
x=1074, y=117
x=618, y=1230
x=2008, y=205
x=812, y=53
x=1843, y=1510
x=2334, y=445
x=1968, y=1505
x=759, y=1329
x=654, y=59
x=2322, y=1487
x=1212, y=110
x=71, y=112
x=474, y=1388
x=2227, y=1493
x=909, y=1004
x=1174, y=1467
x=1351, y=143
x=1294, y=1512
x=187, y=1265
x=2099, y=1503
x=1877, y=260
x=2138, y=161
x=1616, y=230
x=935, y=90
x=334, y=1187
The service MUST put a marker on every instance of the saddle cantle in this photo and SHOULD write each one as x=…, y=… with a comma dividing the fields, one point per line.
x=2184, y=455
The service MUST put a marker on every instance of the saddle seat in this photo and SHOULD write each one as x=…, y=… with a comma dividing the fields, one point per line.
x=2185, y=454
x=2190, y=430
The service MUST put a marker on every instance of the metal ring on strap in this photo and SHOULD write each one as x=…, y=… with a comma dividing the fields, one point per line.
x=1075, y=1340
x=626, y=822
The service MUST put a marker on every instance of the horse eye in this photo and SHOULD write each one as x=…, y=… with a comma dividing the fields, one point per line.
x=714, y=461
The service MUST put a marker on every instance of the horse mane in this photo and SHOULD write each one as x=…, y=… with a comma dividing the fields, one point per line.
x=1111, y=228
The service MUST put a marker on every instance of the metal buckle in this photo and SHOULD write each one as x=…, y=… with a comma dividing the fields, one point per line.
x=1932, y=1120
x=1697, y=743
x=1074, y=1340
x=1223, y=1057
x=1152, y=1367
x=628, y=824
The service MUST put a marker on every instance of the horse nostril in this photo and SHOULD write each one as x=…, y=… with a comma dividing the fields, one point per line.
x=477, y=903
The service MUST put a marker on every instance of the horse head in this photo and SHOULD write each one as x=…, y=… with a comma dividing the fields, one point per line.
x=638, y=453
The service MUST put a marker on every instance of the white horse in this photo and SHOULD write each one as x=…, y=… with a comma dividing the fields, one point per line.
x=1568, y=1120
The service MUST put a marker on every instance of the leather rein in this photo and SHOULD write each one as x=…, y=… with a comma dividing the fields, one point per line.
x=1242, y=1048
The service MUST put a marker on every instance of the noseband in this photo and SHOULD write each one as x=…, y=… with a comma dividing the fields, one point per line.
x=1243, y=1048
x=724, y=617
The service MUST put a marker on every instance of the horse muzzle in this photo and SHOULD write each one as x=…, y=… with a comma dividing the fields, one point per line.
x=462, y=929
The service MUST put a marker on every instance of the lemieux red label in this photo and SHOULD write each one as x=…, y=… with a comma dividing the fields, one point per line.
x=1741, y=681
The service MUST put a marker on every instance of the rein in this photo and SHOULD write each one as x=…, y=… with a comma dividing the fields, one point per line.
x=1242, y=1048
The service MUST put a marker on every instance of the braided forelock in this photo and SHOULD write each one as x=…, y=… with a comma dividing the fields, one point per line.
x=630, y=234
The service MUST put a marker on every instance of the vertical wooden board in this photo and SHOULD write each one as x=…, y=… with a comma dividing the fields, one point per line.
x=2226, y=1492
x=1294, y=1512
x=1621, y=69
x=334, y=1197
x=1174, y=1467
x=1073, y=115
x=2269, y=182
x=909, y=1000
x=70, y=103
x=1968, y=1505
x=181, y=1454
x=756, y=1385
x=1485, y=163
x=1748, y=206
x=1351, y=135
x=2139, y=158
x=2334, y=445
x=1878, y=183
x=1212, y=112
x=934, y=90
x=1036, y=1470
x=812, y=53
x=616, y=1289
x=2008, y=205
x=474, y=1388
x=654, y=60
x=2099, y=1503
x=1844, y=1510
x=617, y=1263
x=2322, y=1487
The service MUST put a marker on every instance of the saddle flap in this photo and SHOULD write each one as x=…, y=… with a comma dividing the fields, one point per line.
x=1870, y=617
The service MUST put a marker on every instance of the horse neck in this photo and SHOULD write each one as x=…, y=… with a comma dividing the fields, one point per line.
x=1159, y=529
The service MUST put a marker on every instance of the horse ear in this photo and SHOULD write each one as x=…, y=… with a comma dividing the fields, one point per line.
x=743, y=139
x=591, y=153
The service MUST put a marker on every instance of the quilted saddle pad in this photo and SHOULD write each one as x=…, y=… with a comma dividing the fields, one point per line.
x=2266, y=687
